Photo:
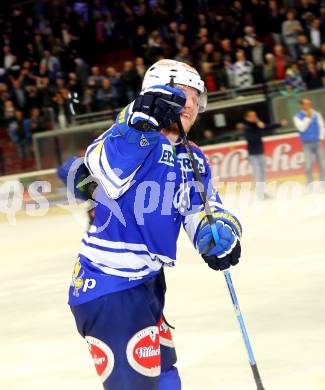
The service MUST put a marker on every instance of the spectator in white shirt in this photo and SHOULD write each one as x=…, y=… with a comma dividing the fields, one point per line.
x=310, y=125
x=242, y=71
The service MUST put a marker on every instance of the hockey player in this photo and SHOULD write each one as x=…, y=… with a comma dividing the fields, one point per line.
x=118, y=285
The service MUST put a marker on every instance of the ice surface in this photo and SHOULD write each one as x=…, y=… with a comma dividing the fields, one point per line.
x=280, y=285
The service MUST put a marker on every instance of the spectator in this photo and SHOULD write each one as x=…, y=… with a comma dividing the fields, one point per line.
x=104, y=96
x=304, y=47
x=4, y=95
x=130, y=81
x=37, y=121
x=45, y=92
x=254, y=129
x=51, y=62
x=313, y=76
x=61, y=109
x=237, y=14
x=316, y=34
x=33, y=97
x=95, y=79
x=294, y=77
x=250, y=35
x=140, y=66
x=185, y=56
x=227, y=49
x=258, y=51
x=140, y=41
x=88, y=101
x=281, y=62
x=208, y=53
x=275, y=18
x=310, y=125
x=308, y=8
x=257, y=12
x=43, y=71
x=209, y=77
x=269, y=69
x=19, y=131
x=9, y=112
x=8, y=57
x=290, y=31
x=242, y=70
x=18, y=94
x=228, y=73
x=116, y=86
x=82, y=72
x=155, y=50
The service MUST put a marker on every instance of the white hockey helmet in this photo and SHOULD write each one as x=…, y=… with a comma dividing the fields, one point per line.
x=161, y=73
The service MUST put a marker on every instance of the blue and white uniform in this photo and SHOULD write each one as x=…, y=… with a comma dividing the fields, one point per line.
x=146, y=191
x=151, y=188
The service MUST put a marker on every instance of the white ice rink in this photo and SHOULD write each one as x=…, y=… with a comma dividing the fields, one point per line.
x=280, y=284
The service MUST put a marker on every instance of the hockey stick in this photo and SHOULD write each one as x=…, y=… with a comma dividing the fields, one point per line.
x=215, y=234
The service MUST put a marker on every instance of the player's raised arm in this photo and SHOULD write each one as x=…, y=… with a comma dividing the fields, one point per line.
x=116, y=156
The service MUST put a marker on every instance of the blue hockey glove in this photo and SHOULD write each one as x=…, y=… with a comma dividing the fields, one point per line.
x=156, y=108
x=227, y=250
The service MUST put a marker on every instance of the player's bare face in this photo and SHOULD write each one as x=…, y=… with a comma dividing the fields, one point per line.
x=191, y=108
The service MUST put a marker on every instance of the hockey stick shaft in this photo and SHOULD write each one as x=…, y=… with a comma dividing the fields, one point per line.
x=215, y=234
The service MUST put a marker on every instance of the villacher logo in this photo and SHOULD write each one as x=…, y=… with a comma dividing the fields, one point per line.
x=103, y=357
x=143, y=352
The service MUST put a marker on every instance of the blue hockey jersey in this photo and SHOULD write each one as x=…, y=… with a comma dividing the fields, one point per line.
x=147, y=190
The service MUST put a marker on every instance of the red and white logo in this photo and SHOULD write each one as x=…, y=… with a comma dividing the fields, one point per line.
x=103, y=357
x=165, y=334
x=143, y=352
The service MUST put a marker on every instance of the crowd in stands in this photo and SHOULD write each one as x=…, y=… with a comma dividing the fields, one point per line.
x=49, y=52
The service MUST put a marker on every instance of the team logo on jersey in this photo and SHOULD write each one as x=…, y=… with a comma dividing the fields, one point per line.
x=143, y=141
x=167, y=155
x=186, y=165
x=165, y=334
x=78, y=281
x=103, y=357
x=77, y=278
x=143, y=352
